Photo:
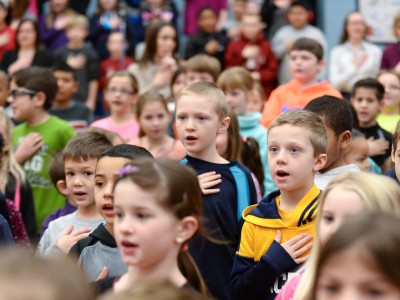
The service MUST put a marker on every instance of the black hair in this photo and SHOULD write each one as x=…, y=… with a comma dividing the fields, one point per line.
x=369, y=83
x=250, y=157
x=203, y=9
x=298, y=3
x=356, y=123
x=126, y=151
x=335, y=111
x=64, y=67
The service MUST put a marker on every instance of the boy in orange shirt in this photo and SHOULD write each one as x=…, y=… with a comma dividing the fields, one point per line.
x=306, y=61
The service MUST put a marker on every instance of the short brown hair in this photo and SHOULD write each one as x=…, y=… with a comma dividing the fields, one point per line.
x=86, y=145
x=203, y=63
x=308, y=121
x=236, y=78
x=38, y=79
x=309, y=45
x=211, y=93
x=57, y=169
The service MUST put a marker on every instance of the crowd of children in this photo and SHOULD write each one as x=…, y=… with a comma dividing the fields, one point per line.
x=233, y=162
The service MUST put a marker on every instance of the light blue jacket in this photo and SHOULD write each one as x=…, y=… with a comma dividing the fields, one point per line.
x=250, y=127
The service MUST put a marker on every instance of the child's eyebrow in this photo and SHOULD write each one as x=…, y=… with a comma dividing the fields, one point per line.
x=99, y=175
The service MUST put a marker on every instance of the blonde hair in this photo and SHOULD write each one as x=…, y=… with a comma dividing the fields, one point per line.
x=308, y=121
x=34, y=278
x=236, y=78
x=396, y=21
x=9, y=163
x=203, y=63
x=378, y=194
x=149, y=291
x=78, y=21
x=376, y=238
x=210, y=93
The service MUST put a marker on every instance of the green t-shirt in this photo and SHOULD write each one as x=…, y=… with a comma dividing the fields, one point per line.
x=55, y=134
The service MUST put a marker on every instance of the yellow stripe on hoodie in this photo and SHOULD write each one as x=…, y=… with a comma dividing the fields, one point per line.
x=264, y=219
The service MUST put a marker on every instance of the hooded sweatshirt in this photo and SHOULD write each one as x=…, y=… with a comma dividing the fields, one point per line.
x=99, y=250
x=262, y=265
x=293, y=96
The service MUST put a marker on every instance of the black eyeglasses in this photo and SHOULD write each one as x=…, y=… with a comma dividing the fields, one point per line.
x=20, y=92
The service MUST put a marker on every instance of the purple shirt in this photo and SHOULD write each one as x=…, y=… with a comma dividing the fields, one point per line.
x=192, y=9
x=391, y=56
x=66, y=210
x=51, y=37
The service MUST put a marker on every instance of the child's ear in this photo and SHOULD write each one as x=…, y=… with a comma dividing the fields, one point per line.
x=320, y=162
x=321, y=64
x=344, y=139
x=39, y=99
x=76, y=85
x=62, y=187
x=224, y=125
x=186, y=229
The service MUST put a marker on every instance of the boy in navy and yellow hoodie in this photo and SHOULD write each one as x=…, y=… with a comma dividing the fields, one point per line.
x=277, y=232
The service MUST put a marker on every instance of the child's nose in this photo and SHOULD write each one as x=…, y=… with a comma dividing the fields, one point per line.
x=125, y=225
x=77, y=180
x=190, y=124
x=281, y=157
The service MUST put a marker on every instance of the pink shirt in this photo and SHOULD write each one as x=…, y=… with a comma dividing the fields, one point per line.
x=127, y=131
x=176, y=151
x=288, y=290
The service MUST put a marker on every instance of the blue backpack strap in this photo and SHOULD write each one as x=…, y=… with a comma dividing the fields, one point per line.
x=243, y=190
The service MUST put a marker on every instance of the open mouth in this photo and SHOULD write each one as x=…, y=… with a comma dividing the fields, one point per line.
x=190, y=138
x=128, y=248
x=108, y=207
x=128, y=244
x=282, y=174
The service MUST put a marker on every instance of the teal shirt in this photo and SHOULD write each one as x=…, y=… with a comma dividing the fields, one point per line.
x=55, y=134
x=250, y=127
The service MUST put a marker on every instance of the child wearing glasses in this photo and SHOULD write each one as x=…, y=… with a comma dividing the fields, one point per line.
x=121, y=94
x=39, y=137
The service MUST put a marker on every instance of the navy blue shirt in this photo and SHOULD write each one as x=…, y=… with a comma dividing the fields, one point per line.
x=222, y=213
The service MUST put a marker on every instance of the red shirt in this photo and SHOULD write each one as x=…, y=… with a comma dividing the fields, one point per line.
x=109, y=66
x=265, y=63
x=10, y=44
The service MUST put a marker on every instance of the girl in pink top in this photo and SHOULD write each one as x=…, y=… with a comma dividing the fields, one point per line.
x=346, y=195
x=121, y=93
x=154, y=117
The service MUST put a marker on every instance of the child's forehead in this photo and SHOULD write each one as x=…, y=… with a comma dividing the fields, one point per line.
x=61, y=73
x=73, y=162
x=366, y=91
x=111, y=164
x=291, y=131
x=301, y=52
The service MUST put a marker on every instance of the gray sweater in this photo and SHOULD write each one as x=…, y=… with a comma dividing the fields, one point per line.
x=47, y=244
